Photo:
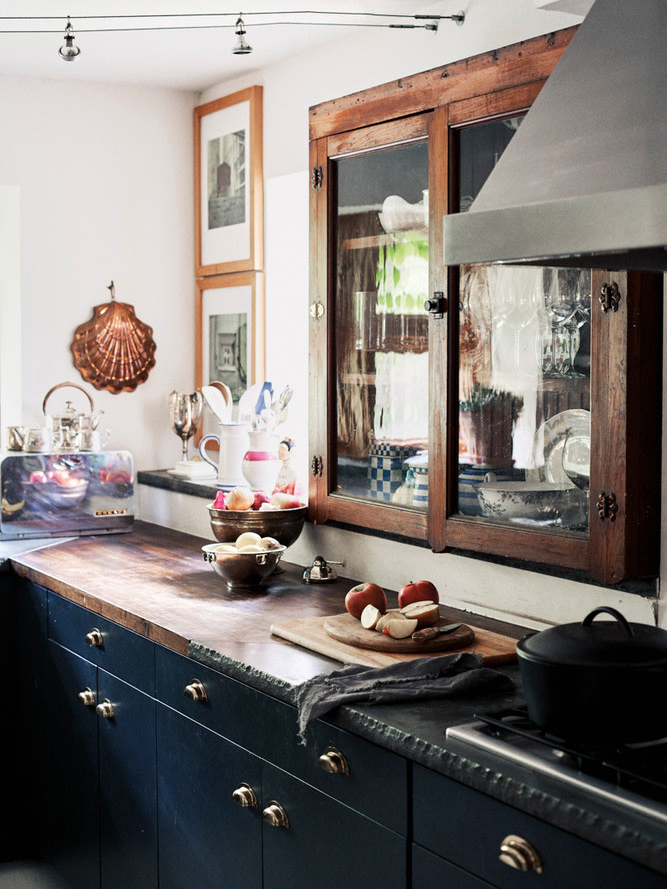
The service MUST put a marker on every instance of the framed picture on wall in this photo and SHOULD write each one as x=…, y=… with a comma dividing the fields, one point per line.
x=229, y=325
x=229, y=200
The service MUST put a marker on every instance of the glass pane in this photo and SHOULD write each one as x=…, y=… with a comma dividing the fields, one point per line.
x=524, y=395
x=381, y=329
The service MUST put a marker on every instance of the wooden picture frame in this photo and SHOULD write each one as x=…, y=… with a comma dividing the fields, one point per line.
x=229, y=331
x=228, y=184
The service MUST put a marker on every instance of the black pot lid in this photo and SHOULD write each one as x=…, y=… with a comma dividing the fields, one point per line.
x=594, y=643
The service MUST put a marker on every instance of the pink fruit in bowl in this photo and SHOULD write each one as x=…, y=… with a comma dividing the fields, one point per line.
x=260, y=497
x=285, y=501
x=239, y=498
x=219, y=502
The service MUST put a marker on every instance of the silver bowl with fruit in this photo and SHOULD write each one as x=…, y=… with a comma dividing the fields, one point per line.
x=284, y=525
x=243, y=567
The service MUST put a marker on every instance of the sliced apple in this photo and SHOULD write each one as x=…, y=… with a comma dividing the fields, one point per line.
x=400, y=629
x=370, y=616
x=426, y=613
x=389, y=615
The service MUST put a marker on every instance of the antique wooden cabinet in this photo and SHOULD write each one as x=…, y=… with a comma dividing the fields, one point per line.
x=506, y=410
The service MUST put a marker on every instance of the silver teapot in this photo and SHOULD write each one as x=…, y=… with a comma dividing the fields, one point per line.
x=68, y=426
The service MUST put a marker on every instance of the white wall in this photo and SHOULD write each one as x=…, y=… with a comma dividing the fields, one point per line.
x=343, y=67
x=105, y=181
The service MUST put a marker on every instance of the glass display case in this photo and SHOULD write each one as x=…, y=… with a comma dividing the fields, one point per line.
x=508, y=410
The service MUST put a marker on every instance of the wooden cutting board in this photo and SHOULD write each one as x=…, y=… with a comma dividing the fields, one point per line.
x=310, y=633
x=348, y=629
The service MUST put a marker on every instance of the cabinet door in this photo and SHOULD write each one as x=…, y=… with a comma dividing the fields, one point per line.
x=128, y=790
x=72, y=752
x=431, y=872
x=372, y=420
x=206, y=839
x=324, y=843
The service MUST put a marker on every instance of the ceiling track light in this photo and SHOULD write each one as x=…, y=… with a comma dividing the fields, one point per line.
x=69, y=52
x=241, y=47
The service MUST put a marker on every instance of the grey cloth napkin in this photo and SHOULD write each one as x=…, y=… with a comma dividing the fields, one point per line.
x=426, y=677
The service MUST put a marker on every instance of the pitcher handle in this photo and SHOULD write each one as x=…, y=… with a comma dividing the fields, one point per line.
x=202, y=450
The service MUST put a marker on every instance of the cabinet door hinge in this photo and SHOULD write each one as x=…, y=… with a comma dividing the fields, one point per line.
x=316, y=465
x=610, y=296
x=317, y=177
x=607, y=506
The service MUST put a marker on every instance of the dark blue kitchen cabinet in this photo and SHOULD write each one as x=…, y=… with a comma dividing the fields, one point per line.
x=245, y=822
x=460, y=848
x=206, y=839
x=101, y=760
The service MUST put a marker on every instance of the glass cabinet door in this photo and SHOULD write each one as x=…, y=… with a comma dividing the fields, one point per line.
x=524, y=396
x=380, y=268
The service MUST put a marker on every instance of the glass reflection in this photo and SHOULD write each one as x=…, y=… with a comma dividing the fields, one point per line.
x=381, y=330
x=524, y=395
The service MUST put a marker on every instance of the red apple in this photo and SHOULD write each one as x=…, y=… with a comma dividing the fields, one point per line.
x=426, y=613
x=364, y=594
x=399, y=629
x=417, y=591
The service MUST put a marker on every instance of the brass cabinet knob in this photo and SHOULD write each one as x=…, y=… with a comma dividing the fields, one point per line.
x=87, y=697
x=245, y=796
x=105, y=709
x=196, y=691
x=275, y=815
x=334, y=762
x=519, y=854
x=94, y=638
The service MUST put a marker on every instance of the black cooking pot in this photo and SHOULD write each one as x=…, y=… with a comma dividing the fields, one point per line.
x=598, y=682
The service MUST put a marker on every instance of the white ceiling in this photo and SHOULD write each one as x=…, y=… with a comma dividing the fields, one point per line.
x=178, y=59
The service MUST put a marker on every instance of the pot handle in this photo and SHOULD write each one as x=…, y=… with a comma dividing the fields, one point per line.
x=588, y=620
x=68, y=385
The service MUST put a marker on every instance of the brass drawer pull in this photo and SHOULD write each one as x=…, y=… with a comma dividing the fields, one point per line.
x=94, y=638
x=245, y=796
x=519, y=854
x=334, y=762
x=105, y=709
x=87, y=697
x=275, y=815
x=196, y=691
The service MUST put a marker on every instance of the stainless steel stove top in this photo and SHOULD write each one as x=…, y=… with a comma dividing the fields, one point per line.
x=583, y=777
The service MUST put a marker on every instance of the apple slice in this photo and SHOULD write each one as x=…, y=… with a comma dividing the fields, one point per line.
x=426, y=613
x=370, y=616
x=400, y=629
x=389, y=615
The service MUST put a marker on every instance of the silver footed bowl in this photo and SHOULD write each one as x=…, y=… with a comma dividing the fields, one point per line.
x=285, y=525
x=242, y=569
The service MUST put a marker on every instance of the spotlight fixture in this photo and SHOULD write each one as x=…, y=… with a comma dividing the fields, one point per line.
x=69, y=52
x=241, y=47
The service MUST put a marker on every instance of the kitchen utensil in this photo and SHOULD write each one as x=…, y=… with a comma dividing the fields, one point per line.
x=432, y=632
x=39, y=438
x=218, y=403
x=15, y=438
x=93, y=439
x=543, y=502
x=549, y=443
x=68, y=425
x=320, y=571
x=242, y=569
x=232, y=444
x=184, y=413
x=348, y=629
x=599, y=682
x=283, y=524
x=247, y=402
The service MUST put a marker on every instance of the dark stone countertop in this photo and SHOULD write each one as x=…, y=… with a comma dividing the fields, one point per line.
x=154, y=582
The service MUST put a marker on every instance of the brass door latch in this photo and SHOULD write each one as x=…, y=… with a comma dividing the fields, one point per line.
x=607, y=506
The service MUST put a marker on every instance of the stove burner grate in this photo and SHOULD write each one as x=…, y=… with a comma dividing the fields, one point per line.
x=641, y=768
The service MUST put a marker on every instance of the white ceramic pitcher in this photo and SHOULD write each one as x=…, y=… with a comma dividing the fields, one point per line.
x=233, y=445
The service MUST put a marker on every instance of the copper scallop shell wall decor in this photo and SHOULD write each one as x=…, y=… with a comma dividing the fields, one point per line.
x=114, y=350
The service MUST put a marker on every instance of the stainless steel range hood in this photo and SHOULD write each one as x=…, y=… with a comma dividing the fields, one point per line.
x=584, y=179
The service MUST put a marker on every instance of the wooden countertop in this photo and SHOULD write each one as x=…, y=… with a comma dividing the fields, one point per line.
x=155, y=582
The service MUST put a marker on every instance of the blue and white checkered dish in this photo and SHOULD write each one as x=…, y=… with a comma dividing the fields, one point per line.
x=385, y=472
